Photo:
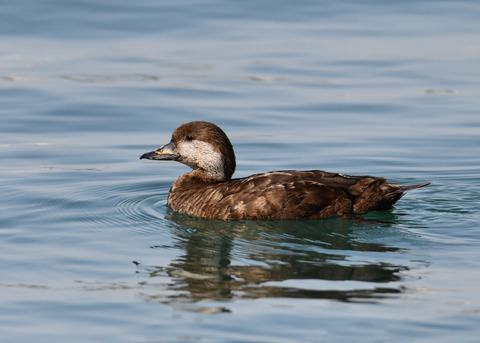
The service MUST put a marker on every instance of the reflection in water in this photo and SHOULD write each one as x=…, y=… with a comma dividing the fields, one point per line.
x=304, y=259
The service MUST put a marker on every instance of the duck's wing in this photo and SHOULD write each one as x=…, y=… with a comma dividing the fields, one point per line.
x=307, y=194
x=286, y=195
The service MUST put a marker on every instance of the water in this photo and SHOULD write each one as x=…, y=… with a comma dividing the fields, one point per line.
x=89, y=250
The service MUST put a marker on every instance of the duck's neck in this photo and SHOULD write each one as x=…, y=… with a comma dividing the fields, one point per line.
x=205, y=176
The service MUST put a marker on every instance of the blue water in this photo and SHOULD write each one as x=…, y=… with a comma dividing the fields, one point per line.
x=89, y=250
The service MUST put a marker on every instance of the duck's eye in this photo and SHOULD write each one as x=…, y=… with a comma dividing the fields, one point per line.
x=189, y=138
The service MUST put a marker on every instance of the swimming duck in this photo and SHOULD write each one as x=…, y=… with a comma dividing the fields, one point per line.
x=209, y=191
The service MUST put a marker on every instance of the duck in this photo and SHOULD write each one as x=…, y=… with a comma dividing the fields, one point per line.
x=208, y=190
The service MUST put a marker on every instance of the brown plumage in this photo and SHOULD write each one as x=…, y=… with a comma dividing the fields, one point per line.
x=209, y=192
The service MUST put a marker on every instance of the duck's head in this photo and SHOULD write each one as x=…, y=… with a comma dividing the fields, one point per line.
x=202, y=146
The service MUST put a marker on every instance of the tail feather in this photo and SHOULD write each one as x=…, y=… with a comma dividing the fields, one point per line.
x=407, y=188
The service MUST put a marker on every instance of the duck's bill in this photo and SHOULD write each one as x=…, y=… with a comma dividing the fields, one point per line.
x=166, y=152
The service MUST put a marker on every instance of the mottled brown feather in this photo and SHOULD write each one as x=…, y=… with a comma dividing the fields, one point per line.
x=283, y=195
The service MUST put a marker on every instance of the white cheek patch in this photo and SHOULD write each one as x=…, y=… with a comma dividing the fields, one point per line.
x=198, y=154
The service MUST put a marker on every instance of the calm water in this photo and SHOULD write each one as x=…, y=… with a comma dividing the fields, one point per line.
x=89, y=251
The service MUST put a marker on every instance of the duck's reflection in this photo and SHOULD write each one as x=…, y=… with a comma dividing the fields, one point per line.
x=304, y=259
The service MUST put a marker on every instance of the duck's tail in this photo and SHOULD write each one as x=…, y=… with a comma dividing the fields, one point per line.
x=402, y=189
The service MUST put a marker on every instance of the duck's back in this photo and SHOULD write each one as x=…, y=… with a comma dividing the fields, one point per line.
x=283, y=195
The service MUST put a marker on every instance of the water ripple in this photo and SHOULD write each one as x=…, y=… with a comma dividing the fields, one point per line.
x=144, y=204
x=143, y=207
